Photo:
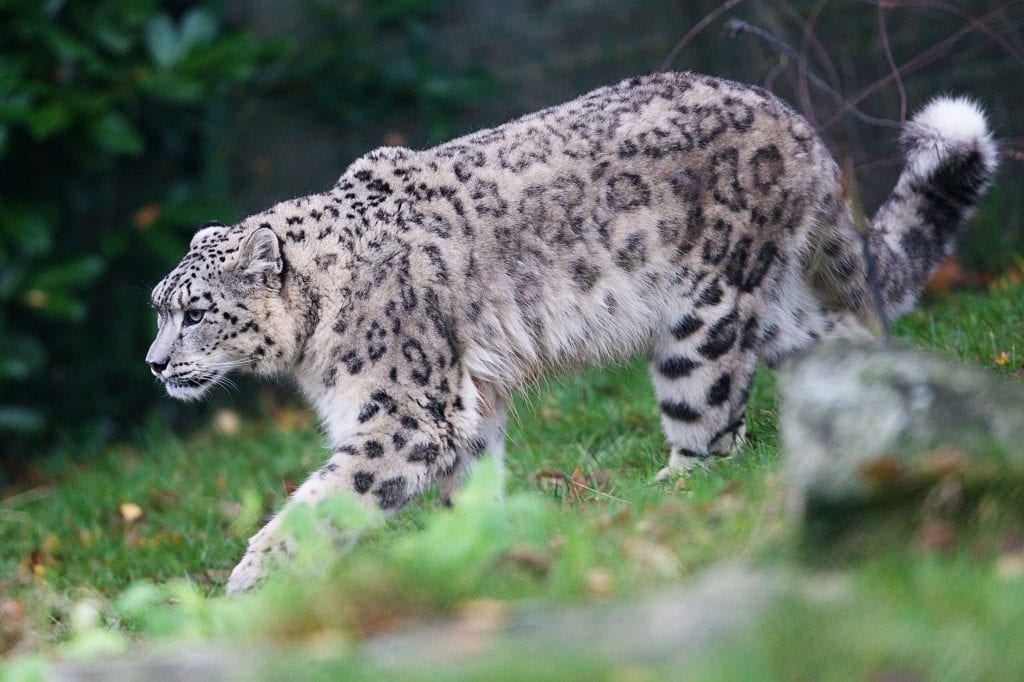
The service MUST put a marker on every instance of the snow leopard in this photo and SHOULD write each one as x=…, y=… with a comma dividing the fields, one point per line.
x=698, y=221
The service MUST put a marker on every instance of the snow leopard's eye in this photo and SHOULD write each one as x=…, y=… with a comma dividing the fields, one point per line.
x=192, y=316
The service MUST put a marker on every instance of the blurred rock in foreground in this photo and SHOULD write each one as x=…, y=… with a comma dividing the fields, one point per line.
x=672, y=626
x=874, y=434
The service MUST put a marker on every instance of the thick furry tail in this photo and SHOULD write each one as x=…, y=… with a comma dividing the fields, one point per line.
x=950, y=160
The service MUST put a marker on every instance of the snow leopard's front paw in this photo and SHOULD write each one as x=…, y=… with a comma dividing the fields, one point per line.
x=262, y=555
x=249, y=573
x=681, y=461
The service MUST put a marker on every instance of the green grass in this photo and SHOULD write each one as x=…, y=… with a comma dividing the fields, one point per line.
x=81, y=577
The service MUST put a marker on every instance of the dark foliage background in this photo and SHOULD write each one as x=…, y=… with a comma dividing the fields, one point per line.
x=124, y=124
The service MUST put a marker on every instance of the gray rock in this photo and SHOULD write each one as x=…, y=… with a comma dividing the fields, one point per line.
x=673, y=625
x=861, y=422
x=196, y=661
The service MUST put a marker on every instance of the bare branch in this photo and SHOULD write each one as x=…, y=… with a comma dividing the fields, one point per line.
x=919, y=61
x=811, y=38
x=697, y=28
x=974, y=22
x=892, y=61
x=737, y=26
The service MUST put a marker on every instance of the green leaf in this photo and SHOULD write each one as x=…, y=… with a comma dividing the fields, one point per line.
x=52, y=7
x=12, y=279
x=117, y=41
x=22, y=356
x=197, y=28
x=20, y=419
x=163, y=42
x=77, y=273
x=67, y=47
x=55, y=304
x=29, y=227
x=49, y=119
x=115, y=133
x=171, y=86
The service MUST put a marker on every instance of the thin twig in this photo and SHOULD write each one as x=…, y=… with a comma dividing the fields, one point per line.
x=697, y=28
x=879, y=163
x=804, y=69
x=918, y=61
x=996, y=36
x=892, y=61
x=812, y=38
x=736, y=26
x=775, y=72
x=577, y=484
x=24, y=497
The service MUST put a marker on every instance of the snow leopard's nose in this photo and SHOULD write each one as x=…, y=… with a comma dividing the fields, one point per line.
x=157, y=367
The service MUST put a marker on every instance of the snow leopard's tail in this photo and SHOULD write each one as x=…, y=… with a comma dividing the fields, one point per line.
x=950, y=158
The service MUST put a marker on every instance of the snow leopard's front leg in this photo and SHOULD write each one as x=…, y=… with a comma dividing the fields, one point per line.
x=400, y=446
x=489, y=437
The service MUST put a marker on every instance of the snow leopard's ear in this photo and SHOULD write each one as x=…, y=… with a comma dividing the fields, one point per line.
x=259, y=258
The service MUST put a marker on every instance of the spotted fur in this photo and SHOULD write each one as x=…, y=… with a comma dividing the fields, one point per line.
x=696, y=220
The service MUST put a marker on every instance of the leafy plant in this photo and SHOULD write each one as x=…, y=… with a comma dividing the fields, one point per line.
x=388, y=67
x=114, y=145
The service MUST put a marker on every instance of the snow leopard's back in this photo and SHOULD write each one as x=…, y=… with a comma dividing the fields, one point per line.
x=578, y=232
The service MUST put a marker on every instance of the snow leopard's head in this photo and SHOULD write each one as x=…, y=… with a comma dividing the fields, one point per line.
x=220, y=309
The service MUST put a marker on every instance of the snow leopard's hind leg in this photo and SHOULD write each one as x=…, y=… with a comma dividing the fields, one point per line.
x=701, y=366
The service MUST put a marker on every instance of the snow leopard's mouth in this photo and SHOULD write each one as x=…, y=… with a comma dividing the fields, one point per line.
x=188, y=383
x=189, y=387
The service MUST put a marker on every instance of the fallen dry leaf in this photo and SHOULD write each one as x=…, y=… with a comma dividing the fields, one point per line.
x=1010, y=566
x=936, y=535
x=227, y=422
x=130, y=512
x=85, y=537
x=529, y=558
x=577, y=486
x=549, y=479
x=655, y=557
x=1002, y=358
x=482, y=614
x=946, y=461
x=146, y=216
x=885, y=470
x=217, y=576
x=14, y=624
x=950, y=274
x=600, y=582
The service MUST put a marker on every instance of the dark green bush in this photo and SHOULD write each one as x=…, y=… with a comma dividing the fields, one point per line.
x=114, y=146
x=106, y=113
